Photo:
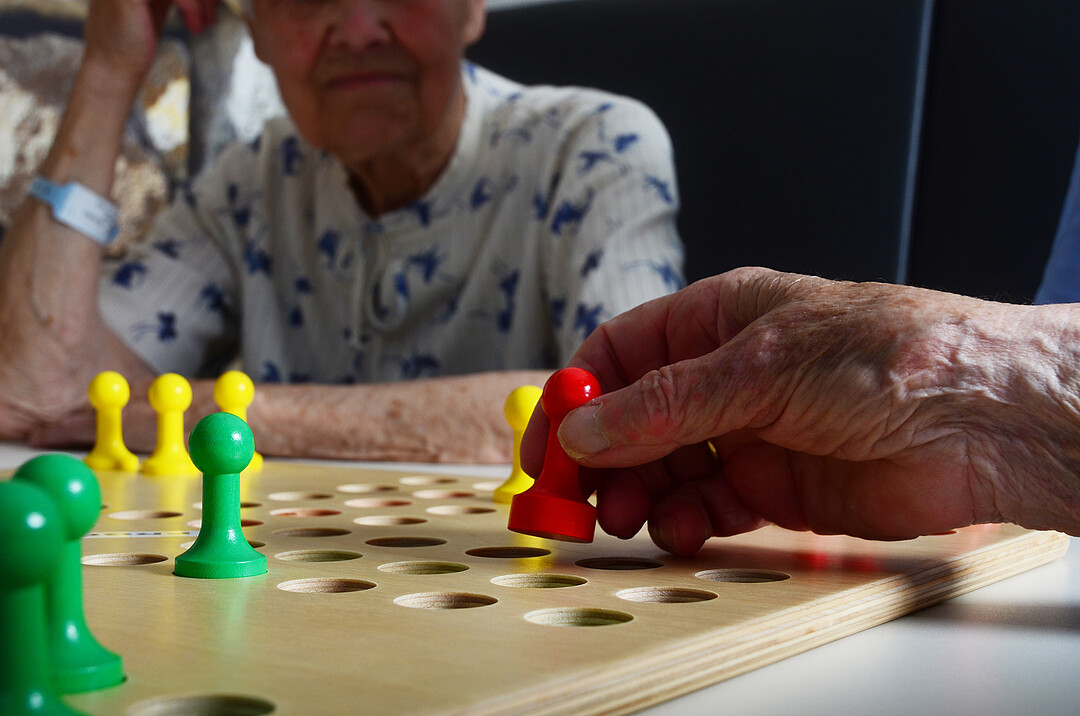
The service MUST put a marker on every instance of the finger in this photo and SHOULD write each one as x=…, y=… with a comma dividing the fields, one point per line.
x=698, y=510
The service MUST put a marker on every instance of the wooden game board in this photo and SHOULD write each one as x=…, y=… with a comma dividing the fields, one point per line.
x=394, y=592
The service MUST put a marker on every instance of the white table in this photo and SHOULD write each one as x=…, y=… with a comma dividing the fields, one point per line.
x=1010, y=648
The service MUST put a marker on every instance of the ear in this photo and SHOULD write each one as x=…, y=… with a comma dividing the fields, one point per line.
x=475, y=20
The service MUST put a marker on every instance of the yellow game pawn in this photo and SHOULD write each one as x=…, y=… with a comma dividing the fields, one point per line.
x=518, y=409
x=234, y=392
x=109, y=393
x=170, y=396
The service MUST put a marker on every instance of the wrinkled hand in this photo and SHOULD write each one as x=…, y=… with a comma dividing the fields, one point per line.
x=879, y=411
x=122, y=35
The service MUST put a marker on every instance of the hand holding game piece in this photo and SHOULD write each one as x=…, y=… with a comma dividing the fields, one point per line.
x=234, y=391
x=221, y=446
x=170, y=396
x=518, y=408
x=79, y=662
x=109, y=393
x=31, y=545
x=554, y=507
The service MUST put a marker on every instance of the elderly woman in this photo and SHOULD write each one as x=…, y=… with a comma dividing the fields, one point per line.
x=414, y=217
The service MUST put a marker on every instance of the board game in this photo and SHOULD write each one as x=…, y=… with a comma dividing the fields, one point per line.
x=404, y=592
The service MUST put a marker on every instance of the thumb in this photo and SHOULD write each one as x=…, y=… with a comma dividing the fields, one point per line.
x=681, y=404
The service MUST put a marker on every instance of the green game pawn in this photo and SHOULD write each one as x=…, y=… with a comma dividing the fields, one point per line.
x=31, y=545
x=79, y=662
x=221, y=446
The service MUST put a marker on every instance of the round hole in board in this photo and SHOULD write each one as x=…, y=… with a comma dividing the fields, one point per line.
x=445, y=600
x=303, y=512
x=443, y=494
x=742, y=576
x=388, y=520
x=423, y=568
x=406, y=541
x=508, y=552
x=665, y=595
x=320, y=585
x=144, y=515
x=311, y=532
x=416, y=480
x=539, y=580
x=487, y=486
x=370, y=502
x=210, y=705
x=122, y=559
x=298, y=496
x=361, y=489
x=578, y=617
x=459, y=510
x=317, y=555
x=619, y=563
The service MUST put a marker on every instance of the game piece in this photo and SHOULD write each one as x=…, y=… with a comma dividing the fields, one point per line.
x=79, y=662
x=234, y=392
x=170, y=396
x=554, y=507
x=518, y=409
x=31, y=544
x=221, y=447
x=109, y=393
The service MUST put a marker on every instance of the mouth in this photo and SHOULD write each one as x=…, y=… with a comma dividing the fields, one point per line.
x=365, y=80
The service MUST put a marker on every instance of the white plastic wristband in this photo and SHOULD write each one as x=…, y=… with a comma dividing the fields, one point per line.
x=80, y=208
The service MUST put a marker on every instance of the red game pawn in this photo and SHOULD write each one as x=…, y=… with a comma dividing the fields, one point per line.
x=554, y=507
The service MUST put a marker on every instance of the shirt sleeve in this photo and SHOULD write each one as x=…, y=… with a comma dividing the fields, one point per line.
x=1061, y=278
x=612, y=240
x=172, y=299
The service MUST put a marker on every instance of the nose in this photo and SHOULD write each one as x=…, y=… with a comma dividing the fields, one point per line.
x=361, y=23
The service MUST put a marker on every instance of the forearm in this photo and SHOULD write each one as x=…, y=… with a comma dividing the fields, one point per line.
x=456, y=419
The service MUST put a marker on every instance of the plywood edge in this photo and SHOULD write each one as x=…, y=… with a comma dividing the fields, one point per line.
x=647, y=679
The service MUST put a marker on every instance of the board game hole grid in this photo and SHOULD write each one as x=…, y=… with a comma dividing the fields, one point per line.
x=423, y=568
x=539, y=580
x=122, y=559
x=445, y=600
x=326, y=585
x=388, y=520
x=742, y=576
x=244, y=522
x=454, y=510
x=144, y=515
x=244, y=505
x=210, y=705
x=508, y=552
x=253, y=542
x=317, y=555
x=298, y=496
x=370, y=502
x=304, y=512
x=619, y=563
x=406, y=542
x=311, y=532
x=665, y=595
x=360, y=489
x=578, y=617
x=421, y=480
x=443, y=494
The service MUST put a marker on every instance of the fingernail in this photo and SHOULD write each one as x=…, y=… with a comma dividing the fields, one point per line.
x=580, y=432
